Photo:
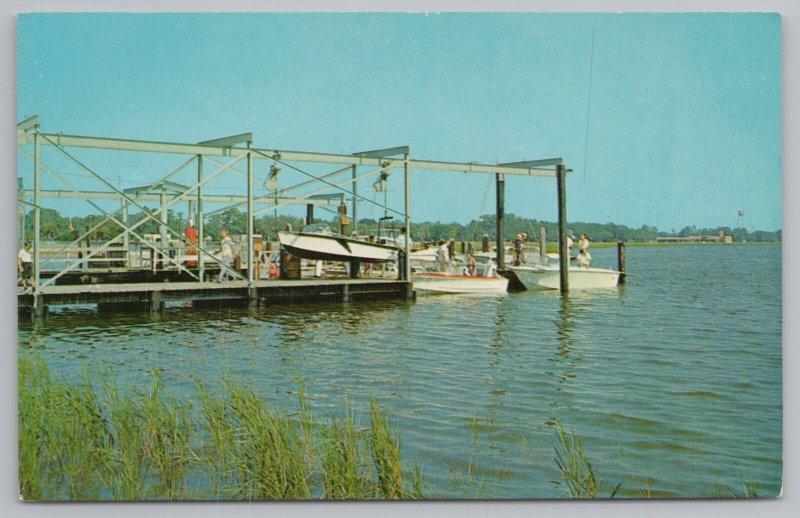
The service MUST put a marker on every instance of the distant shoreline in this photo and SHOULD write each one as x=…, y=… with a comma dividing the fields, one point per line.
x=637, y=244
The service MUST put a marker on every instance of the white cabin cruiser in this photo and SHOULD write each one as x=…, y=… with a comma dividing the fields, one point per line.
x=318, y=242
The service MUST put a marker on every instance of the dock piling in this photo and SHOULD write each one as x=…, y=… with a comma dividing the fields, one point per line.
x=156, y=304
x=621, y=261
x=542, y=245
x=39, y=308
x=500, y=183
x=563, y=259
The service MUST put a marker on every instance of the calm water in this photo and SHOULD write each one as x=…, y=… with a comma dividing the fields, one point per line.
x=673, y=382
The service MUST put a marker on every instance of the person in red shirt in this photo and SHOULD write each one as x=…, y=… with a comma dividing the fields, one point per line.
x=191, y=236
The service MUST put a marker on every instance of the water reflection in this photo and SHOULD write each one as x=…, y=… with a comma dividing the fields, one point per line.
x=564, y=326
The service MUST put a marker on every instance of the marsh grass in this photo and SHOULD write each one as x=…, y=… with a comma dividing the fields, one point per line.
x=78, y=443
x=576, y=470
x=119, y=443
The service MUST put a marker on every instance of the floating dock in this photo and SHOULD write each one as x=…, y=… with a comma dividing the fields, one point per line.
x=154, y=296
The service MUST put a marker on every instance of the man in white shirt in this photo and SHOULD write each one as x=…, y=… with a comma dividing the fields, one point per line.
x=25, y=264
x=225, y=254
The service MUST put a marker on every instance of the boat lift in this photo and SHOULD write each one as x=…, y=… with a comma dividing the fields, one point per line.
x=211, y=160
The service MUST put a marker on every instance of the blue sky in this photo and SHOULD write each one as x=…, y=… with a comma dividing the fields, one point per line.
x=684, y=110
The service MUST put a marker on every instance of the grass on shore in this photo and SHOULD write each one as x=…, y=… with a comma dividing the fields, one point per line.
x=144, y=445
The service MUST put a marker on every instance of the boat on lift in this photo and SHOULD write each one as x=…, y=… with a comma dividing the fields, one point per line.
x=317, y=242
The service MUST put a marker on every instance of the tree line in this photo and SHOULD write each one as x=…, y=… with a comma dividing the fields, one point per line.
x=56, y=227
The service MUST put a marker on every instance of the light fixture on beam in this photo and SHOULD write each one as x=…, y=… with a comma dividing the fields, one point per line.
x=271, y=183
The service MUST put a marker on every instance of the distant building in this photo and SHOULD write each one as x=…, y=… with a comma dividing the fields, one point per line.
x=717, y=238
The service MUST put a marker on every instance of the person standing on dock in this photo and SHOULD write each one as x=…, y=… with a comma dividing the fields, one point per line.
x=225, y=254
x=25, y=265
x=522, y=259
x=584, y=259
x=518, y=244
x=583, y=244
x=191, y=237
x=443, y=256
x=472, y=266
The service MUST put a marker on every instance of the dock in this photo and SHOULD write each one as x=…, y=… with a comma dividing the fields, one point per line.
x=142, y=250
x=154, y=296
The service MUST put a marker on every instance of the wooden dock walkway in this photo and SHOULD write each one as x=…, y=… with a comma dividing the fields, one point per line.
x=154, y=295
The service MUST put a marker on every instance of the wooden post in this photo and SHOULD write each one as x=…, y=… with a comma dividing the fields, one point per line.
x=309, y=214
x=39, y=309
x=252, y=297
x=485, y=243
x=621, y=261
x=500, y=185
x=542, y=245
x=563, y=260
x=156, y=304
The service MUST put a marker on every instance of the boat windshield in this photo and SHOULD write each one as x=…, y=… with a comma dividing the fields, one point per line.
x=318, y=228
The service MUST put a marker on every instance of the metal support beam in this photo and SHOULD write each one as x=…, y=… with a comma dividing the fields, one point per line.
x=406, y=274
x=163, y=227
x=37, y=211
x=28, y=124
x=563, y=258
x=355, y=198
x=536, y=163
x=329, y=187
x=200, y=236
x=20, y=212
x=250, y=255
x=145, y=211
x=229, y=141
x=500, y=188
x=384, y=153
x=125, y=238
x=329, y=158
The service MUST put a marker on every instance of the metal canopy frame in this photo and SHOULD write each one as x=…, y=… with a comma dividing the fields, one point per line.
x=224, y=153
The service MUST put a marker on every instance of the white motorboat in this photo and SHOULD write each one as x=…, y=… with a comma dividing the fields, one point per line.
x=541, y=277
x=318, y=242
x=436, y=282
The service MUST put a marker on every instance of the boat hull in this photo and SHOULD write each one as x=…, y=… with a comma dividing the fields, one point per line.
x=445, y=283
x=335, y=248
x=548, y=278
